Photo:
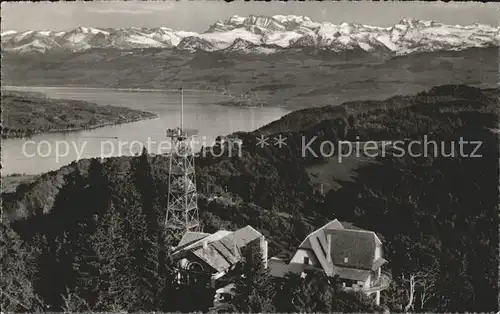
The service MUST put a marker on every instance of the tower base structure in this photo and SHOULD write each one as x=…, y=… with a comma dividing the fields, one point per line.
x=182, y=209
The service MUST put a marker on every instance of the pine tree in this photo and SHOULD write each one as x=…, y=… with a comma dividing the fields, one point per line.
x=145, y=185
x=300, y=229
x=86, y=267
x=254, y=289
x=85, y=264
x=43, y=269
x=113, y=257
x=49, y=280
x=98, y=190
x=16, y=290
x=73, y=303
x=144, y=261
x=144, y=225
x=166, y=285
x=286, y=291
x=314, y=294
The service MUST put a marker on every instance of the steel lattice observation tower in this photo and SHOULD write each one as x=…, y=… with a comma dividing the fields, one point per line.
x=182, y=201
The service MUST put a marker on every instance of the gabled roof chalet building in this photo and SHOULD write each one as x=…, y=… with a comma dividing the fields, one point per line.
x=204, y=258
x=339, y=248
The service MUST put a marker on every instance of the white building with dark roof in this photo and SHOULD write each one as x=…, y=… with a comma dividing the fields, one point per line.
x=338, y=248
x=205, y=258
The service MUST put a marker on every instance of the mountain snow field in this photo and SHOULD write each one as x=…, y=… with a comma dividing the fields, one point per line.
x=262, y=34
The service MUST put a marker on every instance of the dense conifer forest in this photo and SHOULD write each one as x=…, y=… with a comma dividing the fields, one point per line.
x=89, y=237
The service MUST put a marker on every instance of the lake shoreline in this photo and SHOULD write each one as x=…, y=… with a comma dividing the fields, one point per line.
x=238, y=104
x=229, y=103
x=79, y=129
x=124, y=89
x=33, y=113
x=201, y=114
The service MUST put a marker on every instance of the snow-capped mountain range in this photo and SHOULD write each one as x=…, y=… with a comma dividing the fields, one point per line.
x=263, y=34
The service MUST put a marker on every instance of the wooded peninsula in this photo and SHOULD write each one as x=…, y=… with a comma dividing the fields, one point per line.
x=26, y=114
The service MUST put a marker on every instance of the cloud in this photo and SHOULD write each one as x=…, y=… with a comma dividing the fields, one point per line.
x=119, y=11
x=131, y=8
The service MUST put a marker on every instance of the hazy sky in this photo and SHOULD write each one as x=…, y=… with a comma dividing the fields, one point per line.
x=199, y=15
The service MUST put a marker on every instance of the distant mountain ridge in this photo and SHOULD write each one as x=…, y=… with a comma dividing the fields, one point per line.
x=264, y=35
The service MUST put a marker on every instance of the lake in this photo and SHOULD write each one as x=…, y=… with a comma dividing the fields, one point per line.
x=46, y=152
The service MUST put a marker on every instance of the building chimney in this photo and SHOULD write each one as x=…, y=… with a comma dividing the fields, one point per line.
x=235, y=247
x=329, y=248
x=205, y=244
x=263, y=248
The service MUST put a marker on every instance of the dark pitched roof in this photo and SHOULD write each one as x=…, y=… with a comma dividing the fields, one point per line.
x=191, y=237
x=244, y=236
x=220, y=253
x=350, y=225
x=213, y=257
x=317, y=241
x=352, y=248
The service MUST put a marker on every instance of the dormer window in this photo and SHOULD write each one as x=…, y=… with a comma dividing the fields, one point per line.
x=306, y=260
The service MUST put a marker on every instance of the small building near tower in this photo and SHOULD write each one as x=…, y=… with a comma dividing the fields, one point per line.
x=203, y=258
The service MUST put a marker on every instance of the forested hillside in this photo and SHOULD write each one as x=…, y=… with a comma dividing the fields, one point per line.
x=89, y=236
x=25, y=114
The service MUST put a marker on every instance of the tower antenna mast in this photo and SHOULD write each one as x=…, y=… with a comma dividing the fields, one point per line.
x=182, y=200
x=182, y=108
